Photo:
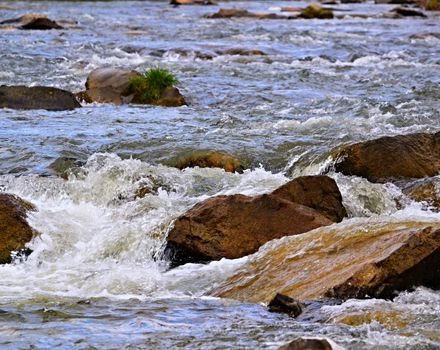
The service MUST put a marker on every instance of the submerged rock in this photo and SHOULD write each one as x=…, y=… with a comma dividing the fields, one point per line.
x=37, y=97
x=15, y=232
x=111, y=85
x=343, y=262
x=238, y=13
x=307, y=344
x=236, y=226
x=242, y=52
x=388, y=159
x=64, y=166
x=286, y=305
x=408, y=12
x=208, y=159
x=193, y=2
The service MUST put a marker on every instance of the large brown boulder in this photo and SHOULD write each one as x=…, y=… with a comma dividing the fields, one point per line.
x=392, y=158
x=15, y=232
x=340, y=261
x=106, y=85
x=235, y=226
x=317, y=192
x=208, y=159
x=110, y=85
x=37, y=97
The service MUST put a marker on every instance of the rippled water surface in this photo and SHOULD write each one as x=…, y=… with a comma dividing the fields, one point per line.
x=96, y=278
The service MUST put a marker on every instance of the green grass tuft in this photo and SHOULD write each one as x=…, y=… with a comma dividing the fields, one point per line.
x=148, y=87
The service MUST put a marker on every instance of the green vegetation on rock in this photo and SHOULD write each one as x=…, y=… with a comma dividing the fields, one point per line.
x=148, y=88
x=433, y=5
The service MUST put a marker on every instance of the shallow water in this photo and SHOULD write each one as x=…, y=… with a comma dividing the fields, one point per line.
x=96, y=278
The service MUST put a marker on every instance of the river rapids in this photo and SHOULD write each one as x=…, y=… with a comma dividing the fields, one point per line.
x=97, y=278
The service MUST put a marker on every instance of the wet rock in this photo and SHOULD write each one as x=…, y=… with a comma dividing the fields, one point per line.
x=41, y=24
x=237, y=13
x=317, y=192
x=286, y=305
x=32, y=21
x=169, y=97
x=235, y=226
x=242, y=52
x=307, y=344
x=316, y=11
x=425, y=190
x=110, y=85
x=424, y=36
x=37, y=97
x=341, y=261
x=107, y=85
x=64, y=166
x=408, y=12
x=15, y=232
x=208, y=159
x=396, y=2
x=431, y=5
x=193, y=2
x=388, y=159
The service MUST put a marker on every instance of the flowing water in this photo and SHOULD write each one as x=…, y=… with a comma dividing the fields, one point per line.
x=96, y=278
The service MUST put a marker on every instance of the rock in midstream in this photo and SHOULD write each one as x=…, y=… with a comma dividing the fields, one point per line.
x=237, y=225
x=207, y=159
x=341, y=261
x=110, y=85
x=37, y=97
x=392, y=158
x=15, y=232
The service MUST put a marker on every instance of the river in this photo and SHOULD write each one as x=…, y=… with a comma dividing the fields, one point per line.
x=96, y=278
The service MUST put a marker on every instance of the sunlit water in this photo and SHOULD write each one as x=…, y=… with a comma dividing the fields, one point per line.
x=97, y=278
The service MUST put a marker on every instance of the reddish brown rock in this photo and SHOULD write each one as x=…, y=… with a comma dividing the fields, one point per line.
x=286, y=305
x=389, y=159
x=15, y=232
x=317, y=192
x=235, y=226
x=425, y=190
x=208, y=159
x=340, y=261
x=307, y=344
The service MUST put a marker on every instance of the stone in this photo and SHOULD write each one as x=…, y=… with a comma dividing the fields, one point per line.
x=64, y=166
x=307, y=344
x=391, y=158
x=37, y=97
x=238, y=13
x=431, y=5
x=33, y=21
x=359, y=260
x=242, y=52
x=193, y=2
x=41, y=24
x=110, y=85
x=208, y=159
x=317, y=192
x=15, y=232
x=408, y=12
x=316, y=11
x=235, y=226
x=425, y=190
x=286, y=305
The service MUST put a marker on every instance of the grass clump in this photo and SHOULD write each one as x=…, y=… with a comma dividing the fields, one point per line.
x=148, y=87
